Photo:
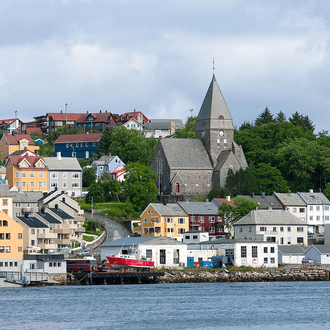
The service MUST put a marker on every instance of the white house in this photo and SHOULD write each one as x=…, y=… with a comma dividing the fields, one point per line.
x=163, y=251
x=291, y=254
x=281, y=227
x=319, y=253
x=45, y=263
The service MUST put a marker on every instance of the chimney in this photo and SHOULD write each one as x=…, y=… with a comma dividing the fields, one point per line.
x=59, y=157
x=134, y=110
x=252, y=195
x=43, y=211
x=100, y=111
x=56, y=206
x=26, y=215
x=311, y=191
x=164, y=202
x=63, y=199
x=263, y=194
x=207, y=200
x=228, y=198
x=87, y=111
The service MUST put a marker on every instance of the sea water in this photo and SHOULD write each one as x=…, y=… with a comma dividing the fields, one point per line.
x=281, y=305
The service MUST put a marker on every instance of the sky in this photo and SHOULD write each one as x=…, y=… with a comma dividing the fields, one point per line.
x=157, y=57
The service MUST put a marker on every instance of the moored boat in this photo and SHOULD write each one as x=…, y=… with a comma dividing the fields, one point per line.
x=127, y=261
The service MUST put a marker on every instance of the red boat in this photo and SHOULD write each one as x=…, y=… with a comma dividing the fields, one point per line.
x=126, y=261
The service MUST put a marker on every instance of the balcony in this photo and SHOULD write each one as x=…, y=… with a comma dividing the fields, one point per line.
x=64, y=241
x=47, y=246
x=80, y=230
x=63, y=230
x=46, y=235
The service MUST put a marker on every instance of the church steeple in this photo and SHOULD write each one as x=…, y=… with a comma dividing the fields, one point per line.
x=214, y=124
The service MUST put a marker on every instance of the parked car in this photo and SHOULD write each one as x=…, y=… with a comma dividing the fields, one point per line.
x=83, y=253
x=307, y=261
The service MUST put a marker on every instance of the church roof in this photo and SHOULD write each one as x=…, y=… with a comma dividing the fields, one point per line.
x=214, y=113
x=186, y=154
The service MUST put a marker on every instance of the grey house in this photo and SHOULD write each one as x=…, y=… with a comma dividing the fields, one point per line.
x=64, y=174
x=198, y=165
x=25, y=202
x=162, y=127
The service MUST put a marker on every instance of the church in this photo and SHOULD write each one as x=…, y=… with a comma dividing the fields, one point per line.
x=195, y=166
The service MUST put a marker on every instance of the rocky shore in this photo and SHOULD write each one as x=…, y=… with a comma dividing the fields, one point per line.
x=260, y=275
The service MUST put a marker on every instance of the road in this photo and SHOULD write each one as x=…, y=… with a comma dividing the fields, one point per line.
x=113, y=228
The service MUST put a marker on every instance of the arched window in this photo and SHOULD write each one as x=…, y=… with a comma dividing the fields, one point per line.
x=221, y=117
x=208, y=179
x=177, y=187
x=196, y=178
x=185, y=178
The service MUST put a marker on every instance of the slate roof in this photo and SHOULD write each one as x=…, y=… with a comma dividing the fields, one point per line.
x=49, y=218
x=26, y=196
x=322, y=248
x=264, y=202
x=170, y=209
x=199, y=208
x=104, y=160
x=289, y=199
x=213, y=107
x=67, y=164
x=222, y=159
x=33, y=222
x=292, y=249
x=14, y=139
x=4, y=190
x=163, y=124
x=186, y=154
x=75, y=138
x=219, y=201
x=270, y=217
x=314, y=198
x=61, y=213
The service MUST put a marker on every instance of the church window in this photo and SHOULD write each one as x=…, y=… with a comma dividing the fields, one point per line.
x=185, y=178
x=196, y=178
x=224, y=141
x=208, y=179
x=221, y=133
x=221, y=117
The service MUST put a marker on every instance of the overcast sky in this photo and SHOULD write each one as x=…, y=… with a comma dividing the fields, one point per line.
x=156, y=57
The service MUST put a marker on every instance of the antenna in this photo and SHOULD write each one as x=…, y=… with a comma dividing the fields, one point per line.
x=191, y=110
x=16, y=113
x=66, y=114
x=213, y=66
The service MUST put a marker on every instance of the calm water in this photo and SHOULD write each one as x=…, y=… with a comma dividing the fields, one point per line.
x=290, y=305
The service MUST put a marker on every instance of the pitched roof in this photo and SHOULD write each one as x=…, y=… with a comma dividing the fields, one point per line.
x=322, y=248
x=199, y=208
x=186, y=154
x=98, y=117
x=170, y=209
x=264, y=201
x=289, y=199
x=104, y=160
x=14, y=139
x=292, y=249
x=314, y=198
x=30, y=130
x=63, y=116
x=93, y=137
x=213, y=108
x=68, y=163
x=31, y=160
x=163, y=124
x=33, y=222
x=61, y=213
x=26, y=196
x=48, y=217
x=269, y=217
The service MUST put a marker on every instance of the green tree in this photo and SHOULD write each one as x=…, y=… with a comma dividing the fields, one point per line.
x=139, y=187
x=35, y=136
x=105, y=142
x=96, y=192
x=187, y=132
x=264, y=118
x=230, y=213
x=280, y=118
x=88, y=176
x=218, y=192
x=111, y=189
x=62, y=131
x=302, y=121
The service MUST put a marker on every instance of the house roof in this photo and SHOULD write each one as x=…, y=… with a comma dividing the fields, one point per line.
x=129, y=241
x=170, y=209
x=264, y=202
x=219, y=201
x=163, y=124
x=98, y=117
x=48, y=217
x=199, y=208
x=26, y=196
x=133, y=114
x=33, y=222
x=270, y=217
x=30, y=130
x=14, y=139
x=104, y=160
x=186, y=154
x=5, y=190
x=67, y=163
x=292, y=249
x=61, y=213
x=214, y=113
x=322, y=248
x=93, y=137
x=314, y=198
x=289, y=199
x=63, y=116
x=31, y=159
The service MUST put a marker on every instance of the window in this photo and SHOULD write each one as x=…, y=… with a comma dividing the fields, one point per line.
x=151, y=211
x=250, y=229
x=32, y=184
x=326, y=217
x=181, y=230
x=54, y=175
x=74, y=154
x=5, y=223
x=211, y=230
x=169, y=220
x=196, y=178
x=300, y=240
x=23, y=174
x=317, y=217
x=300, y=229
x=7, y=235
x=33, y=231
x=254, y=252
x=208, y=179
x=75, y=175
x=64, y=175
x=289, y=240
x=31, y=174
x=265, y=260
x=187, y=237
x=23, y=184
x=86, y=144
x=195, y=236
x=16, y=175
x=263, y=228
x=211, y=219
x=170, y=230
x=181, y=221
x=32, y=266
x=53, y=184
x=311, y=218
x=282, y=240
x=17, y=184
x=326, y=207
x=243, y=251
x=148, y=253
x=240, y=229
x=272, y=260
x=75, y=185
x=33, y=243
x=7, y=249
x=311, y=207
x=65, y=185
x=265, y=249
x=2, y=236
x=294, y=210
x=302, y=210
x=5, y=202
x=274, y=228
x=20, y=236
x=192, y=218
x=318, y=208
x=289, y=228
x=201, y=219
x=41, y=174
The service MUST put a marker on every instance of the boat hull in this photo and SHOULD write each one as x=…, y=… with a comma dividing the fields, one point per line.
x=123, y=262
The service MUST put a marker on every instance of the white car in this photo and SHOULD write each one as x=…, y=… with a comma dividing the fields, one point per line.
x=83, y=253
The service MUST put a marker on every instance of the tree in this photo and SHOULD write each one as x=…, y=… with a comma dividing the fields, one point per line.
x=111, y=189
x=96, y=192
x=280, y=118
x=232, y=212
x=218, y=192
x=188, y=131
x=61, y=131
x=105, y=142
x=303, y=121
x=246, y=125
x=35, y=136
x=88, y=176
x=264, y=118
x=139, y=187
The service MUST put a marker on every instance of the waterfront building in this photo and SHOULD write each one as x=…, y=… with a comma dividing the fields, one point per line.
x=10, y=143
x=319, y=253
x=163, y=219
x=77, y=145
x=11, y=244
x=281, y=227
x=291, y=254
x=64, y=174
x=50, y=264
x=27, y=170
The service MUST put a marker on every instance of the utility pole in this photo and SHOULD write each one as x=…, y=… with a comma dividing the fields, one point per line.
x=191, y=111
x=66, y=114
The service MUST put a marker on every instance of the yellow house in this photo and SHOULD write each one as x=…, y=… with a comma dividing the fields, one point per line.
x=27, y=170
x=11, y=244
x=10, y=143
x=162, y=219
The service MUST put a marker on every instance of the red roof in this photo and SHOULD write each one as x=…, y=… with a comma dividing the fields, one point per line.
x=134, y=114
x=64, y=116
x=224, y=200
x=31, y=159
x=29, y=130
x=98, y=117
x=14, y=139
x=68, y=138
x=7, y=121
